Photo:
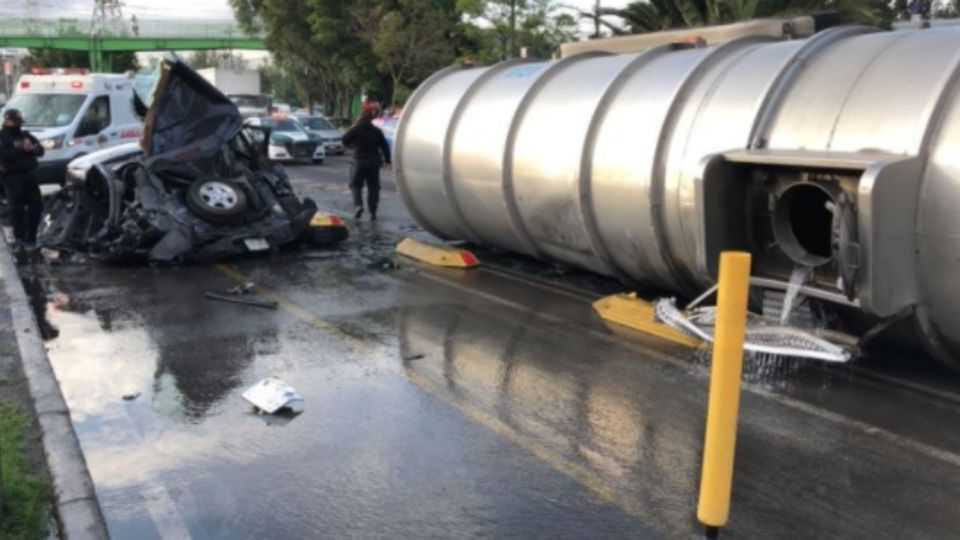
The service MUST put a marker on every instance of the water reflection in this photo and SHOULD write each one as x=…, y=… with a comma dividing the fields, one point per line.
x=155, y=336
x=587, y=401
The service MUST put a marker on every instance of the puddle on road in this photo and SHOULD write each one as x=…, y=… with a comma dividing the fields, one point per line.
x=377, y=425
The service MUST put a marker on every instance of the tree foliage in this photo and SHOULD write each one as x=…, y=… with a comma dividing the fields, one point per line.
x=54, y=58
x=333, y=49
x=216, y=59
x=654, y=15
x=409, y=43
x=514, y=25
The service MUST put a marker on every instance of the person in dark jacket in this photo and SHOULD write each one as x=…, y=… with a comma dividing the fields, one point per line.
x=370, y=152
x=19, y=151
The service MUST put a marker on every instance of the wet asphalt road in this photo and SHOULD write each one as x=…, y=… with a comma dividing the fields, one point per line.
x=447, y=404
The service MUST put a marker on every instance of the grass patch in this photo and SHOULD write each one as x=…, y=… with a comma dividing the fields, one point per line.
x=26, y=497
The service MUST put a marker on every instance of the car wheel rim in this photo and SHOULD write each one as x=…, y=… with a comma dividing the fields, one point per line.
x=218, y=195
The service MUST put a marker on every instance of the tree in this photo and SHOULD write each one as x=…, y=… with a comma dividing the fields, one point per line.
x=640, y=17
x=216, y=59
x=333, y=49
x=517, y=24
x=409, y=42
x=54, y=58
x=281, y=85
x=311, y=41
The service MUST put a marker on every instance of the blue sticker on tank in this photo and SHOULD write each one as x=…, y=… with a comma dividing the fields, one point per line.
x=521, y=72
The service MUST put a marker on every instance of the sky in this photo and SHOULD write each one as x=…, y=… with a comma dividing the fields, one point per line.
x=188, y=9
x=152, y=9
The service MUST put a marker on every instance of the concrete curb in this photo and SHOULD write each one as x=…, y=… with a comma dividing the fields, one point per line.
x=80, y=516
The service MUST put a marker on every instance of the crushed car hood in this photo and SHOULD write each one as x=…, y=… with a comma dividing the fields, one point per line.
x=188, y=114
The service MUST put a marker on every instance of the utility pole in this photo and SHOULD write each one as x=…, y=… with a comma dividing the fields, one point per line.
x=596, y=20
x=513, y=29
x=107, y=14
x=108, y=10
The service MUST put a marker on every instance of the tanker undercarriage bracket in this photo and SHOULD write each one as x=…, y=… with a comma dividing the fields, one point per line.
x=839, y=223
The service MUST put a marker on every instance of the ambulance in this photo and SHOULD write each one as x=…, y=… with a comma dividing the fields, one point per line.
x=75, y=114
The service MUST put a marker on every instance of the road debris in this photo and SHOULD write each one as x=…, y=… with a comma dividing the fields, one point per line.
x=234, y=298
x=382, y=264
x=246, y=288
x=762, y=336
x=437, y=255
x=271, y=395
x=50, y=256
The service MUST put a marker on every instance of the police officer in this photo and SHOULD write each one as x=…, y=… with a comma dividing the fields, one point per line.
x=19, y=151
x=370, y=152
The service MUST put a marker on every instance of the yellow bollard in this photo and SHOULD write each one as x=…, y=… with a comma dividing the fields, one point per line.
x=726, y=368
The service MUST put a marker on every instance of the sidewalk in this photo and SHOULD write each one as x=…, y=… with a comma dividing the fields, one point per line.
x=27, y=379
x=14, y=391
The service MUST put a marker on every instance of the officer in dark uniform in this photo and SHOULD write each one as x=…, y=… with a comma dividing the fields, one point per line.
x=19, y=151
x=370, y=152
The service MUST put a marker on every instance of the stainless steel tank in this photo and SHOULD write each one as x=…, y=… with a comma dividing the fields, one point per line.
x=837, y=152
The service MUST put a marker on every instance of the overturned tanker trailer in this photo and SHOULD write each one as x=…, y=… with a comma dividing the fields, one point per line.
x=835, y=155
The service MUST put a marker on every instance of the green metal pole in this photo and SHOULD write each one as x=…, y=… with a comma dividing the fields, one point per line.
x=94, y=54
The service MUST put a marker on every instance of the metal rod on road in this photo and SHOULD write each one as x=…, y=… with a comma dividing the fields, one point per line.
x=716, y=480
x=255, y=302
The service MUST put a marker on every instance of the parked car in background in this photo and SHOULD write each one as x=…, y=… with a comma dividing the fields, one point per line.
x=389, y=128
x=289, y=141
x=342, y=123
x=251, y=105
x=320, y=127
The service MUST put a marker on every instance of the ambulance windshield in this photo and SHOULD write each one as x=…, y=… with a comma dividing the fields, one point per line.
x=47, y=110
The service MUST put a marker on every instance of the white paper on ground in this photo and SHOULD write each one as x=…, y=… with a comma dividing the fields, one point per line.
x=271, y=394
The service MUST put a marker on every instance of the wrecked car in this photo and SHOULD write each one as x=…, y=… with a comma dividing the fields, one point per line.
x=198, y=186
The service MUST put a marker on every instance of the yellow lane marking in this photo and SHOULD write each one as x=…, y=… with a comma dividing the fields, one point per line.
x=351, y=342
x=580, y=474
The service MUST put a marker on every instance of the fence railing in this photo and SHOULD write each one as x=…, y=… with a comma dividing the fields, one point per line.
x=130, y=28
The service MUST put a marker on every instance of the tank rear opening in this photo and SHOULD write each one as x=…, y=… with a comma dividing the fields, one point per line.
x=803, y=223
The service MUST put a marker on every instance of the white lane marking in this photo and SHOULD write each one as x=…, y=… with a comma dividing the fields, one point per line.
x=164, y=512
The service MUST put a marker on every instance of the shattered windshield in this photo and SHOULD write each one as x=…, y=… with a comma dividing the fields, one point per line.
x=47, y=110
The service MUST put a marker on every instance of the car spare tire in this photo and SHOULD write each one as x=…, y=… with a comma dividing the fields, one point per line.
x=217, y=200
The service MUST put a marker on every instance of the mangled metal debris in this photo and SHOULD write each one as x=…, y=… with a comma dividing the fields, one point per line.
x=271, y=395
x=198, y=187
x=762, y=336
x=244, y=294
x=244, y=301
